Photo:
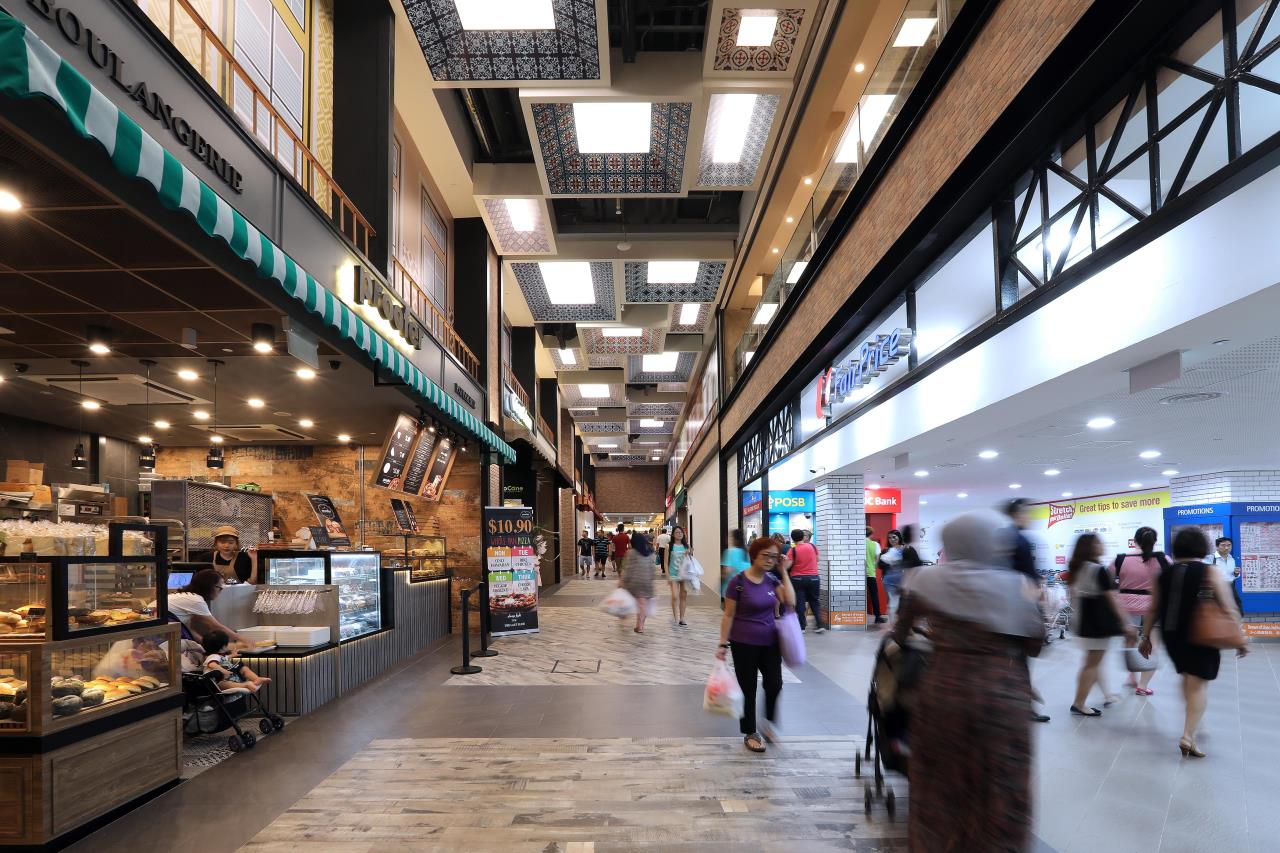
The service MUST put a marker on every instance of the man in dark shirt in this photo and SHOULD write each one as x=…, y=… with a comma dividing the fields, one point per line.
x=602, y=551
x=1023, y=561
x=585, y=545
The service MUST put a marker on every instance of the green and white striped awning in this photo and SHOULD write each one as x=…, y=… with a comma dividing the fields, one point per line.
x=29, y=68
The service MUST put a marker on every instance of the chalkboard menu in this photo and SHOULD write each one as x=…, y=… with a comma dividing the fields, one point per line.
x=395, y=453
x=415, y=472
x=404, y=516
x=438, y=473
x=327, y=513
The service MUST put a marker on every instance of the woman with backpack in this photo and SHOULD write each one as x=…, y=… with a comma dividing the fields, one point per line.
x=1096, y=617
x=1138, y=575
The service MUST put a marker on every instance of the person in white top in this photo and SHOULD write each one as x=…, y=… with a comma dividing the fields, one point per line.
x=662, y=547
x=1223, y=560
x=191, y=605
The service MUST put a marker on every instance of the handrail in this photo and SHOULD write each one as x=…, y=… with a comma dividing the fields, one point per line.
x=314, y=178
x=516, y=388
x=416, y=300
x=547, y=433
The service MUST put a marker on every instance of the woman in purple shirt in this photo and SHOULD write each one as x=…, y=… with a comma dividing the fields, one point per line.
x=750, y=606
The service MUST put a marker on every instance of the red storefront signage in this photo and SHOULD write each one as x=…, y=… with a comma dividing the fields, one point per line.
x=882, y=500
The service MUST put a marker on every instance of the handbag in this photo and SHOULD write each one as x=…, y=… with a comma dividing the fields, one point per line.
x=790, y=638
x=1135, y=662
x=1211, y=624
x=1097, y=617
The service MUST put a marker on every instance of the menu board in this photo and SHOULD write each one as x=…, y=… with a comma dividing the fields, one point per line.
x=1260, y=556
x=395, y=453
x=405, y=519
x=415, y=471
x=511, y=565
x=327, y=513
x=438, y=473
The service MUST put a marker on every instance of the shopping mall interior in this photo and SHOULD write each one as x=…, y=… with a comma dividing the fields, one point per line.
x=434, y=423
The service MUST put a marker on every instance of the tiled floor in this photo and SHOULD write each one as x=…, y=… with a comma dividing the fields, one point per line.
x=421, y=760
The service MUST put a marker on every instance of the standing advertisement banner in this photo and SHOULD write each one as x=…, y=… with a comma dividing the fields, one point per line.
x=1055, y=526
x=511, y=566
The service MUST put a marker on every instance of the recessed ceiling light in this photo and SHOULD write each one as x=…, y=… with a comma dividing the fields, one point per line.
x=797, y=269
x=1149, y=454
x=1066, y=494
x=596, y=391
x=1015, y=485
x=914, y=32
x=215, y=438
x=1052, y=472
x=568, y=282
x=188, y=375
x=568, y=357
x=664, y=362
x=672, y=272
x=306, y=423
x=775, y=250
x=505, y=14
x=343, y=437
x=523, y=214
x=91, y=404
x=1100, y=423
x=145, y=439
x=200, y=415
x=162, y=424
x=255, y=403
x=859, y=67
x=756, y=27
x=732, y=127
x=962, y=494
x=808, y=182
x=622, y=332
x=689, y=314
x=790, y=219
x=922, y=473
x=613, y=127
x=924, y=503
x=9, y=203
x=988, y=454
x=262, y=346
x=864, y=126
x=1135, y=485
x=1169, y=472
x=99, y=349
x=764, y=313
x=305, y=373
x=650, y=422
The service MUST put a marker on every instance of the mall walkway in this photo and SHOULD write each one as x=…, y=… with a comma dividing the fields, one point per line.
x=589, y=737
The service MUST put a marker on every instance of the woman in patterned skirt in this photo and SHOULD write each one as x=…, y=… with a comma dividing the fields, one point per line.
x=970, y=732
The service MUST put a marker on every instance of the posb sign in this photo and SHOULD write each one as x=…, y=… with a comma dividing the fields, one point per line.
x=882, y=500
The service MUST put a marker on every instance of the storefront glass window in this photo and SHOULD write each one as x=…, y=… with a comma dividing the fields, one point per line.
x=959, y=294
x=752, y=511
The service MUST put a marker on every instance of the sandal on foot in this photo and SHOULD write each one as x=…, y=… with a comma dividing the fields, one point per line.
x=1143, y=691
x=1092, y=712
x=750, y=739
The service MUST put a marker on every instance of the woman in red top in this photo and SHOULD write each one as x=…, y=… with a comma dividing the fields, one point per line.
x=806, y=580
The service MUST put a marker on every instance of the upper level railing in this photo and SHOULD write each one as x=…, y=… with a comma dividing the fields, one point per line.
x=192, y=36
x=547, y=432
x=415, y=298
x=511, y=382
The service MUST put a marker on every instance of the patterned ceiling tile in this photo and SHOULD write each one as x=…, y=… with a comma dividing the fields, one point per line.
x=634, y=428
x=568, y=172
x=697, y=326
x=637, y=374
x=743, y=172
x=673, y=387
x=594, y=342
x=603, y=427
x=775, y=56
x=613, y=360
x=653, y=410
x=513, y=242
x=569, y=52
x=561, y=364
x=582, y=413
x=620, y=460
x=529, y=277
x=703, y=289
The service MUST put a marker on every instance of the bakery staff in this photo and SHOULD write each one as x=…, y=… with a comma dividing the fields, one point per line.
x=229, y=560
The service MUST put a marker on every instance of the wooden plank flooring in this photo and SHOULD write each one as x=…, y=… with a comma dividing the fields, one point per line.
x=563, y=794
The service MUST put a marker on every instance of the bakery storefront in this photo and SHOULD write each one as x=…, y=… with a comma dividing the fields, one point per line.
x=190, y=385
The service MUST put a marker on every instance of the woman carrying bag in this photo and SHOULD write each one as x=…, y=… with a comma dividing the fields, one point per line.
x=1197, y=615
x=1097, y=618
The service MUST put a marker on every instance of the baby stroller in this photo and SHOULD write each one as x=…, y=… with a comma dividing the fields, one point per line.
x=897, y=671
x=208, y=710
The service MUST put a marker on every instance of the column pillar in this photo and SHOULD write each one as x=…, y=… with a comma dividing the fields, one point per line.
x=841, y=526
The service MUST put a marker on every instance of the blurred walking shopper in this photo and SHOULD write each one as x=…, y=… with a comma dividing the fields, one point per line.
x=747, y=628
x=637, y=577
x=679, y=586
x=891, y=564
x=1179, y=609
x=1137, y=574
x=970, y=768
x=873, y=565
x=1097, y=617
x=733, y=560
x=1022, y=560
x=806, y=581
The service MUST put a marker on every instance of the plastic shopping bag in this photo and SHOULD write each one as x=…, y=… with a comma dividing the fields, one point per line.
x=619, y=603
x=691, y=569
x=723, y=695
x=790, y=638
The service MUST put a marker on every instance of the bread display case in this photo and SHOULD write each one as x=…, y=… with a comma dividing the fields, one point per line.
x=362, y=606
x=24, y=600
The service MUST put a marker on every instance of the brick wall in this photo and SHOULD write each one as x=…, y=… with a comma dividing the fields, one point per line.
x=1016, y=39
x=641, y=489
x=569, y=533
x=841, y=538
x=335, y=471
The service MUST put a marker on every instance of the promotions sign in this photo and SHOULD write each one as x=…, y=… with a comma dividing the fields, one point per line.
x=511, y=566
x=324, y=509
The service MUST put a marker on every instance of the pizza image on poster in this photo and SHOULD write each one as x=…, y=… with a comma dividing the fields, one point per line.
x=329, y=518
x=511, y=567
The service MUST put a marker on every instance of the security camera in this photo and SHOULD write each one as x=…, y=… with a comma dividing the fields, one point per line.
x=334, y=364
x=20, y=367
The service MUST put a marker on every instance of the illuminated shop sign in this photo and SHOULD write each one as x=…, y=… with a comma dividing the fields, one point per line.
x=371, y=291
x=882, y=500
x=791, y=501
x=873, y=358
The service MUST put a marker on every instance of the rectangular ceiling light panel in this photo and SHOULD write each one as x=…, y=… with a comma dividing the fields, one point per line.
x=665, y=362
x=622, y=332
x=593, y=391
x=764, y=313
x=506, y=14
x=568, y=358
x=672, y=272
x=797, y=269
x=688, y=314
x=733, y=125
x=757, y=27
x=613, y=128
x=523, y=213
x=568, y=282
x=864, y=126
x=650, y=423
x=914, y=32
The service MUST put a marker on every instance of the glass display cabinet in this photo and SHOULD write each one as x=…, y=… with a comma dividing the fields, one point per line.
x=362, y=597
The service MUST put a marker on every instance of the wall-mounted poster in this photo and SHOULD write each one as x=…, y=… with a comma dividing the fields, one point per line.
x=511, y=565
x=329, y=518
x=438, y=473
x=415, y=470
x=395, y=453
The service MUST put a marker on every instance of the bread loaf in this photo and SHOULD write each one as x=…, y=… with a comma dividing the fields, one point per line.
x=93, y=696
x=64, y=706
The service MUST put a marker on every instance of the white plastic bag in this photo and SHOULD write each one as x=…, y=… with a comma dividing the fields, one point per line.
x=619, y=603
x=722, y=694
x=691, y=569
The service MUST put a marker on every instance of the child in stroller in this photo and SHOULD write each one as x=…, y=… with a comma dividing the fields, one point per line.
x=230, y=676
x=220, y=693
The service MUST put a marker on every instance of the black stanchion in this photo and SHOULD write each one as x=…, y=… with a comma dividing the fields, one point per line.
x=485, y=651
x=467, y=668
